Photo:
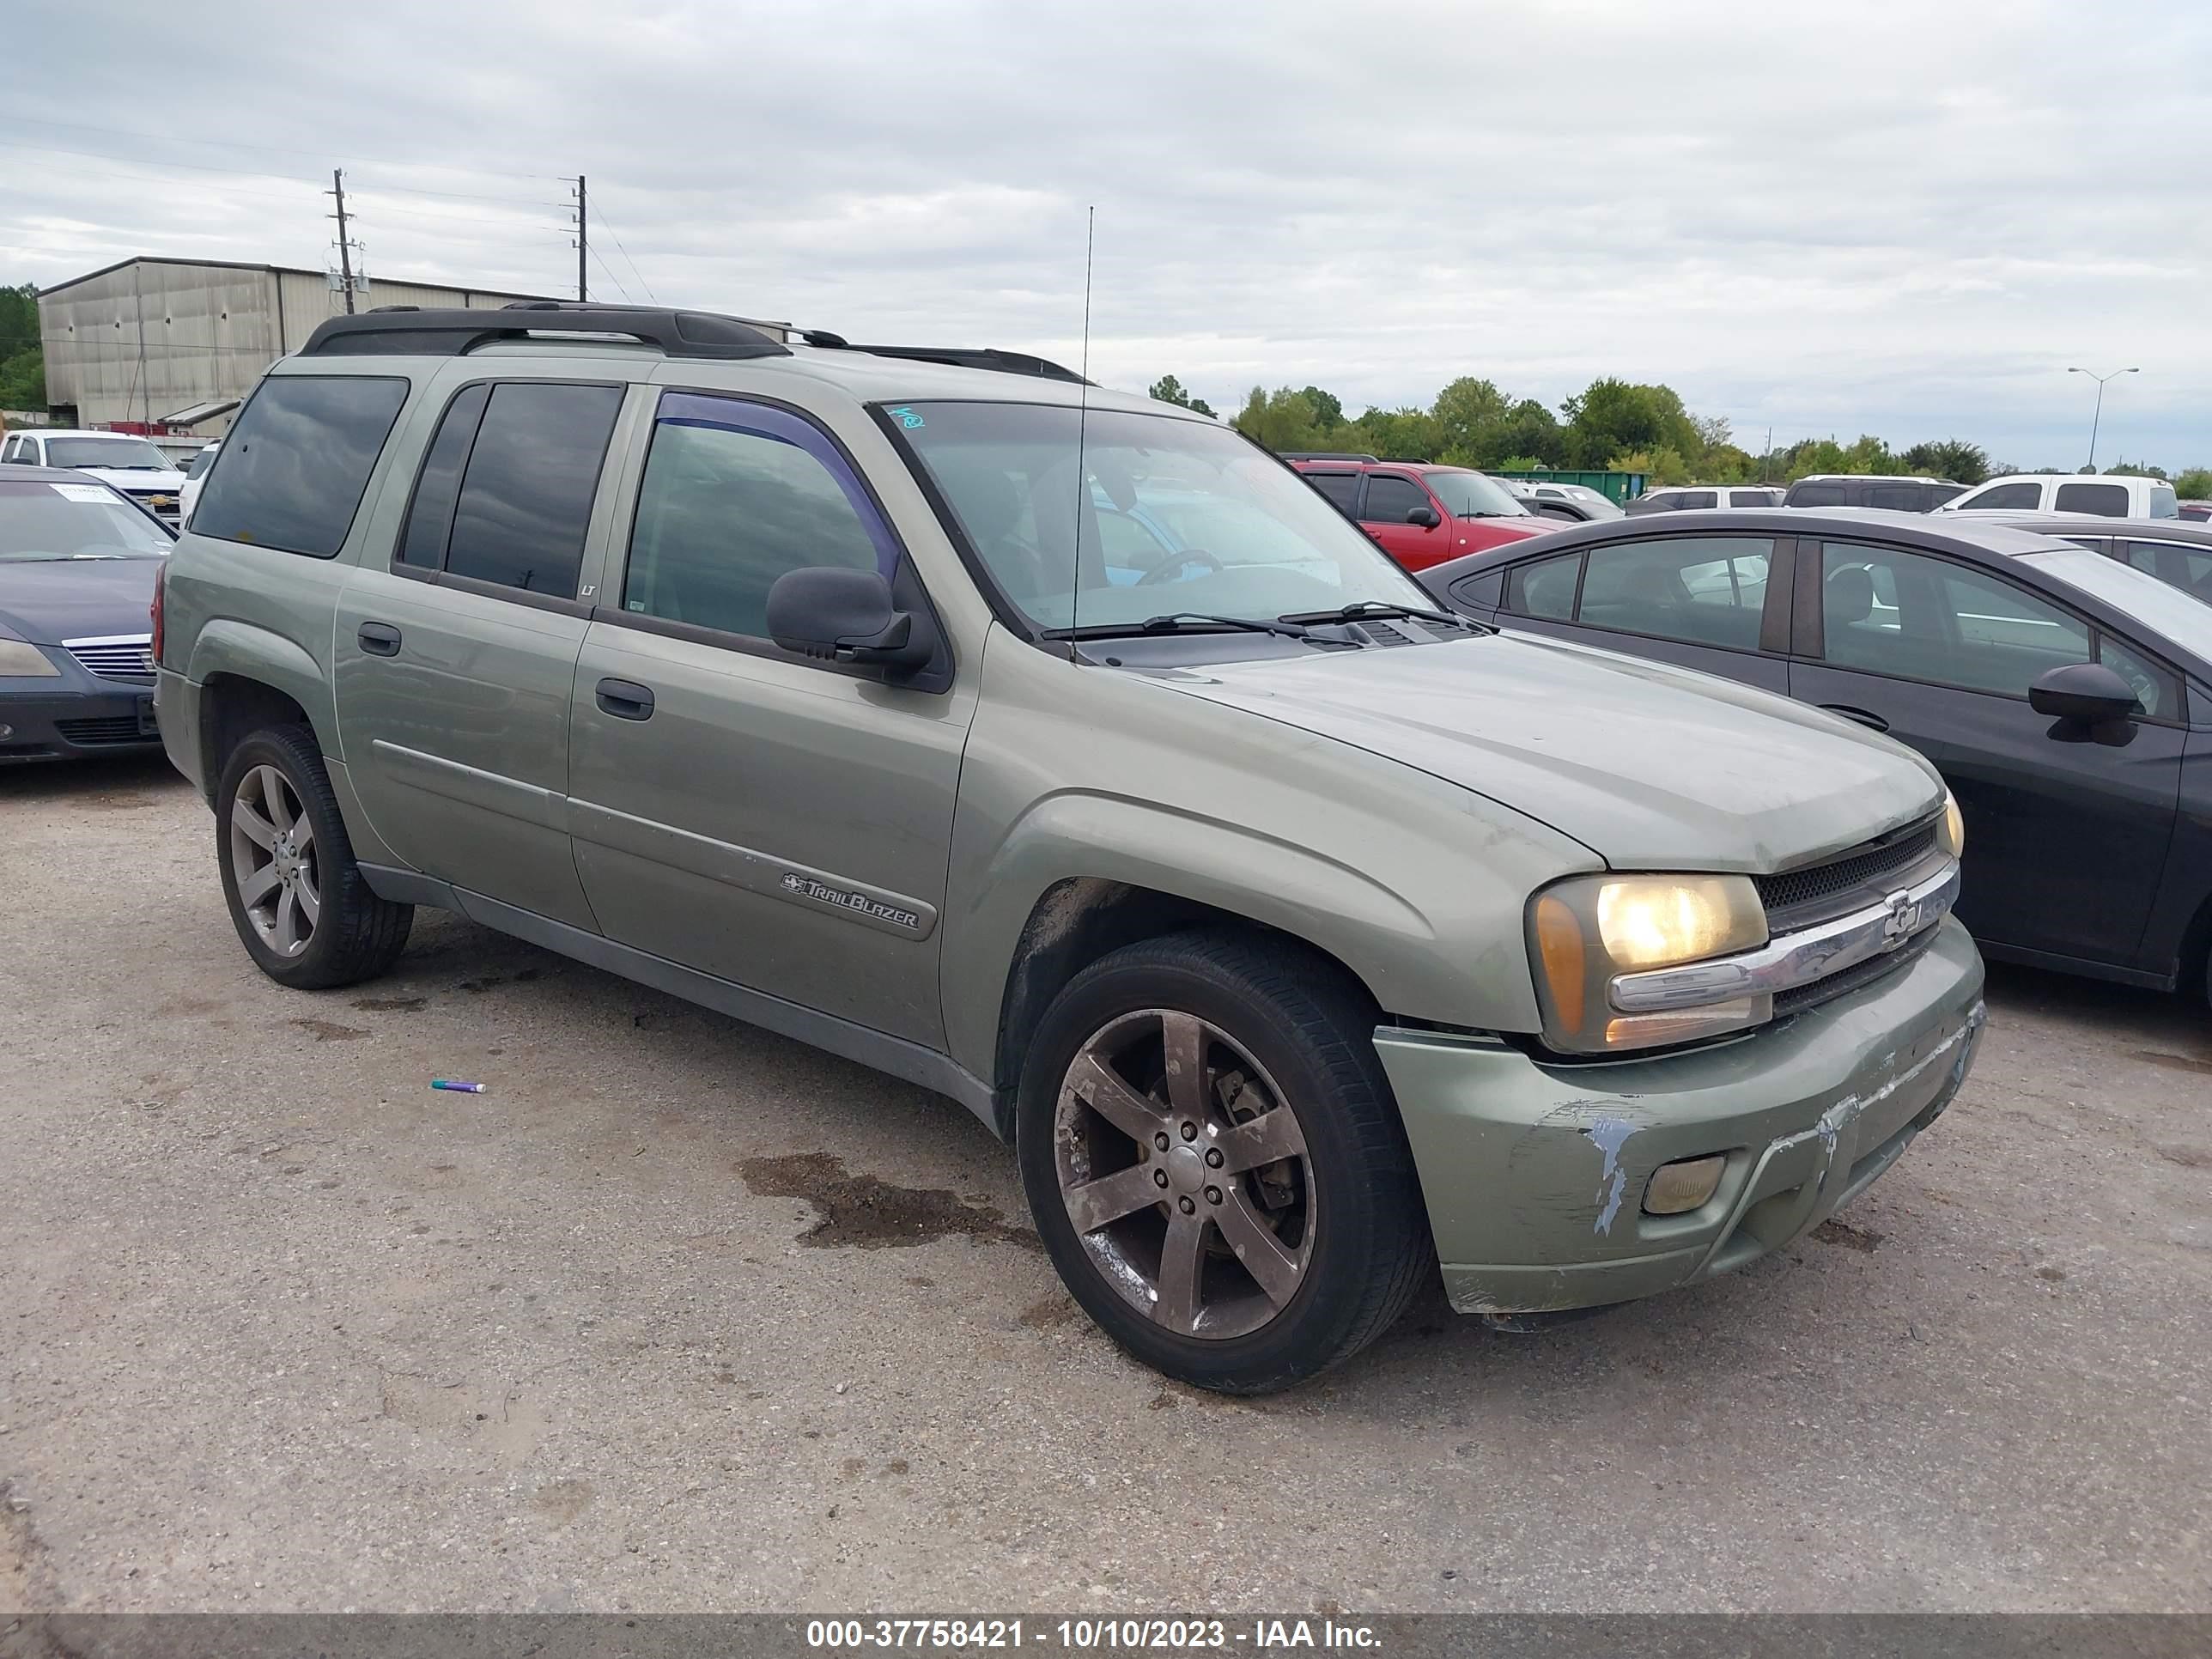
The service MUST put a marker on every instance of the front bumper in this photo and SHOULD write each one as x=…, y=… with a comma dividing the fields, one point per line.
x=73, y=716
x=1535, y=1173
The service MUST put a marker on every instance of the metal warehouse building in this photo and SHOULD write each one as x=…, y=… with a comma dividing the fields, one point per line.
x=178, y=341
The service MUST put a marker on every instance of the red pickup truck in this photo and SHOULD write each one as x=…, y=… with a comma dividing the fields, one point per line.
x=1421, y=515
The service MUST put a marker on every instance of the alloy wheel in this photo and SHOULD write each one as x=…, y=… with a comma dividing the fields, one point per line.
x=274, y=862
x=1185, y=1173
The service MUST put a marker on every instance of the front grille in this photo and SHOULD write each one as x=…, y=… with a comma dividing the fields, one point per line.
x=109, y=728
x=127, y=659
x=1796, y=899
x=1858, y=975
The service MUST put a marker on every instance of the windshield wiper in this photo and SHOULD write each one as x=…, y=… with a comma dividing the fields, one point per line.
x=1365, y=610
x=1177, y=621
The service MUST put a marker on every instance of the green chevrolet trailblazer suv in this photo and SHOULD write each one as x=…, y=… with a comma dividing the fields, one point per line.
x=1066, y=753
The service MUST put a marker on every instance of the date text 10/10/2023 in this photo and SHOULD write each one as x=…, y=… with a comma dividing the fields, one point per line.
x=1262, y=1635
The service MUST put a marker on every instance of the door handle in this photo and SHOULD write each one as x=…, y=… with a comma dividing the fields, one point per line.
x=379, y=639
x=1865, y=717
x=626, y=700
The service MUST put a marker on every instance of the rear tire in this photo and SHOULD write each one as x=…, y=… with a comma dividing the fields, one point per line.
x=1214, y=1161
x=302, y=908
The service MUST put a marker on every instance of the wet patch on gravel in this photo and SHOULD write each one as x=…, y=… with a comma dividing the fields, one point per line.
x=860, y=1211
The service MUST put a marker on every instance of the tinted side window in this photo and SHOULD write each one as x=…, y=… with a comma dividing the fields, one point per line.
x=294, y=466
x=2011, y=495
x=1904, y=498
x=430, y=515
x=2187, y=566
x=1704, y=590
x=1750, y=498
x=1341, y=487
x=1816, y=495
x=1892, y=612
x=1546, y=588
x=2109, y=499
x=1390, y=498
x=1690, y=498
x=526, y=496
x=735, y=495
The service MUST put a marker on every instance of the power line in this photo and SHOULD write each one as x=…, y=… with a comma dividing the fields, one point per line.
x=612, y=277
x=627, y=260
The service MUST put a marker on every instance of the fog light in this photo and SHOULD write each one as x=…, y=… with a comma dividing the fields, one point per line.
x=1678, y=1187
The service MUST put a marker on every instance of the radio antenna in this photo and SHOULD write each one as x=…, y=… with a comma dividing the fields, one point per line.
x=1082, y=417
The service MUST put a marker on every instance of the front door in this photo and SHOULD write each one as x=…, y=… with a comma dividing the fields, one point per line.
x=778, y=822
x=2066, y=835
x=1386, y=513
x=456, y=657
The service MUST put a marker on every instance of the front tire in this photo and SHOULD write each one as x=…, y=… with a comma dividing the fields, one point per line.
x=302, y=908
x=1214, y=1162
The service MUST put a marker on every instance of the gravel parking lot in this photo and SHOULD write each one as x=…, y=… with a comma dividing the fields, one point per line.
x=679, y=1315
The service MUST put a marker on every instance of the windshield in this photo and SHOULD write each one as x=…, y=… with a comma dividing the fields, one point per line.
x=1472, y=495
x=130, y=454
x=1174, y=515
x=2164, y=611
x=40, y=520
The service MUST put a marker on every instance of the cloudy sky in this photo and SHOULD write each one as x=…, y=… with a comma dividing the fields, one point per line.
x=1907, y=219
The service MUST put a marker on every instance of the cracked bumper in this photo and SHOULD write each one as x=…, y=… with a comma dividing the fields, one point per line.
x=1535, y=1174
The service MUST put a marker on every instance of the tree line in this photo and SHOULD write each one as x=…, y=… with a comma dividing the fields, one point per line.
x=22, y=359
x=1612, y=425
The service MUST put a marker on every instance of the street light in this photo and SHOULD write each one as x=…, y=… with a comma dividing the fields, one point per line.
x=2099, y=415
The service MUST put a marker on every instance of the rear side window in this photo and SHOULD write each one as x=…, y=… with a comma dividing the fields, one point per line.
x=294, y=466
x=1750, y=498
x=736, y=494
x=2011, y=495
x=1904, y=498
x=1694, y=498
x=1547, y=589
x=2109, y=499
x=526, y=495
x=1703, y=589
x=1342, y=489
x=430, y=515
x=1816, y=495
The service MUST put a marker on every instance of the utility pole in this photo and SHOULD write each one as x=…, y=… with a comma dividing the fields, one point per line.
x=345, y=249
x=145, y=391
x=582, y=287
x=2097, y=419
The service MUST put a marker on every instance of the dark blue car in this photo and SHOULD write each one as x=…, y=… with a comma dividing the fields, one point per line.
x=78, y=560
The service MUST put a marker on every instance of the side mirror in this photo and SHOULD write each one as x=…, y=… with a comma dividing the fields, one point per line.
x=1423, y=516
x=2086, y=691
x=845, y=615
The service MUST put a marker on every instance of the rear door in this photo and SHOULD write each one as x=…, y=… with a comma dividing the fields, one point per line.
x=2066, y=835
x=456, y=649
x=1700, y=601
x=1390, y=497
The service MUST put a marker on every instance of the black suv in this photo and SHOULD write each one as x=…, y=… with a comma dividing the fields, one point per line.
x=1871, y=490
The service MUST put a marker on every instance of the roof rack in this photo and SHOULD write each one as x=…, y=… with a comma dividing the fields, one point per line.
x=1327, y=455
x=990, y=357
x=406, y=330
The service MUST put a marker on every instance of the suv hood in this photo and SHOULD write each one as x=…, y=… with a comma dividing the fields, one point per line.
x=50, y=600
x=1649, y=767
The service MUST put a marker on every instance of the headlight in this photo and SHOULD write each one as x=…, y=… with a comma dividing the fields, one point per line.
x=21, y=661
x=1586, y=932
x=1952, y=837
